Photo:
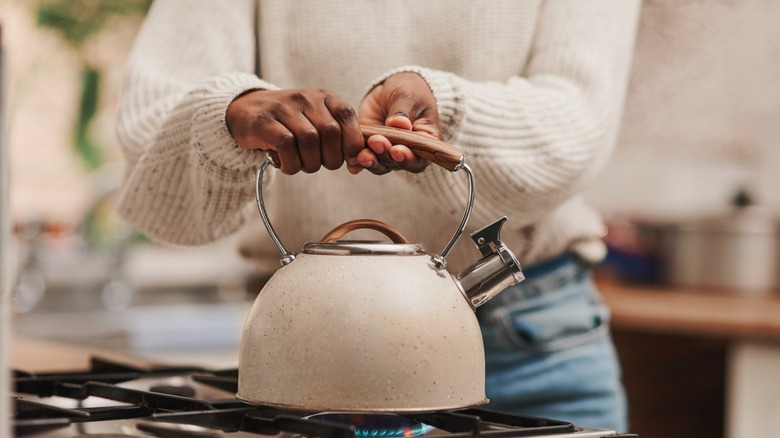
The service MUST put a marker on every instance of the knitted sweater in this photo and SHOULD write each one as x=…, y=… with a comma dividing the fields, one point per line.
x=531, y=91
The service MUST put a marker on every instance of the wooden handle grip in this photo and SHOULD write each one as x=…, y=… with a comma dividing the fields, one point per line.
x=337, y=233
x=424, y=146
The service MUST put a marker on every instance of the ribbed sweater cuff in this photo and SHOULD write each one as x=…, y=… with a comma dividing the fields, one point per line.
x=219, y=154
x=449, y=99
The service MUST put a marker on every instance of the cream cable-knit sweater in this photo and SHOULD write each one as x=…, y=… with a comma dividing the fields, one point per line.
x=532, y=91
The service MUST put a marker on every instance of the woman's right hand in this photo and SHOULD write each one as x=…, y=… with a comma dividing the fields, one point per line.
x=304, y=129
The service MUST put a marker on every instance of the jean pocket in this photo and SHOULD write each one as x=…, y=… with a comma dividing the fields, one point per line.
x=563, y=319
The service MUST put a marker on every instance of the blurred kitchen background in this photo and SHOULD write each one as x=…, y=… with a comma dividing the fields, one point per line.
x=697, y=167
x=82, y=275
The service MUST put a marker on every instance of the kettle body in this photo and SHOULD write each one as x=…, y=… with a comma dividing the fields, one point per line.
x=382, y=332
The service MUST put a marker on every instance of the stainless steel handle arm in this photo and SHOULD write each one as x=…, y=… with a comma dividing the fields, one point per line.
x=287, y=256
x=439, y=260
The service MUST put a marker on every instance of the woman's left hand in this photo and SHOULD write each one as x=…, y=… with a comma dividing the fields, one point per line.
x=403, y=101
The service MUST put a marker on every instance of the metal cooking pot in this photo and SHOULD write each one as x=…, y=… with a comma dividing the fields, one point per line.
x=373, y=326
x=736, y=252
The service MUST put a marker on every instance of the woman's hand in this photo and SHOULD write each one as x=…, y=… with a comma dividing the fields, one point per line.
x=303, y=129
x=404, y=101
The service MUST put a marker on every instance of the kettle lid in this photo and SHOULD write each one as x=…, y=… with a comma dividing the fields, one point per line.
x=331, y=244
x=363, y=247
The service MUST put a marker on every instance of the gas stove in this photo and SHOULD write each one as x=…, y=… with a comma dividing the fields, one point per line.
x=113, y=399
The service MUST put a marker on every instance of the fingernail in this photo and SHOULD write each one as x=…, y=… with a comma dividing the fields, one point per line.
x=397, y=156
x=366, y=163
x=376, y=147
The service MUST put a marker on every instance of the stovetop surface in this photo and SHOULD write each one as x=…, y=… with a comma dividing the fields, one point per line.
x=119, y=400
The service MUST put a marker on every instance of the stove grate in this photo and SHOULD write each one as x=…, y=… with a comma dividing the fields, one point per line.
x=177, y=404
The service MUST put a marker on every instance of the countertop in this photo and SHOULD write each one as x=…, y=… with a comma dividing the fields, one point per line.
x=41, y=355
x=731, y=315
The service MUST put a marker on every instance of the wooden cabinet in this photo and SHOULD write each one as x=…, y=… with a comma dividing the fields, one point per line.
x=697, y=363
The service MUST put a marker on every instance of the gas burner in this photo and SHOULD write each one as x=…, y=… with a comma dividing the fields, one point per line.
x=379, y=425
x=116, y=400
x=104, y=435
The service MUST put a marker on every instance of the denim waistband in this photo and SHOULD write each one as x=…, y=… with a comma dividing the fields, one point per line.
x=539, y=279
x=546, y=267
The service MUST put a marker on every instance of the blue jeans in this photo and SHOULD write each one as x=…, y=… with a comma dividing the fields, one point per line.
x=548, y=349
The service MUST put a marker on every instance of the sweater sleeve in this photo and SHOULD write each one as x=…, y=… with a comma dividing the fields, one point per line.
x=534, y=139
x=187, y=180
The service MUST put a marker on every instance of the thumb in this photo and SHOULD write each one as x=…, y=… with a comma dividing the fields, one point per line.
x=399, y=120
x=423, y=125
x=403, y=114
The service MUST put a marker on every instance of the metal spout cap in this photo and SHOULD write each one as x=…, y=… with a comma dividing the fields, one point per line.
x=495, y=271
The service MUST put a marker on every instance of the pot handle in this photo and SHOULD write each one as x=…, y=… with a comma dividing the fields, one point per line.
x=337, y=233
x=436, y=151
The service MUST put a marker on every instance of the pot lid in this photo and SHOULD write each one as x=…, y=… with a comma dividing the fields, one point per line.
x=744, y=218
x=363, y=247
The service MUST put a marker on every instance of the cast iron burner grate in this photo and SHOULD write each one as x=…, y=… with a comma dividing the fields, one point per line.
x=164, y=404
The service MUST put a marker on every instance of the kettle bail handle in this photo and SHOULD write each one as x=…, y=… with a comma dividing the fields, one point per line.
x=287, y=256
x=438, y=152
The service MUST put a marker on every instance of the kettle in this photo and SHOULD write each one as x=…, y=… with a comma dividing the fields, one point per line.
x=373, y=326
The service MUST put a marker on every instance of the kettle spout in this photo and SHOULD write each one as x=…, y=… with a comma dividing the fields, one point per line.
x=496, y=270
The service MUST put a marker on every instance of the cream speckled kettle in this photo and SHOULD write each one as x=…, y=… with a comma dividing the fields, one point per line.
x=373, y=326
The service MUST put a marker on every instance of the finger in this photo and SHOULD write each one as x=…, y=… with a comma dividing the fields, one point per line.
x=422, y=125
x=349, y=133
x=368, y=160
x=279, y=139
x=354, y=168
x=403, y=157
x=380, y=146
x=401, y=154
x=307, y=141
x=329, y=130
x=407, y=159
x=400, y=111
x=399, y=120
